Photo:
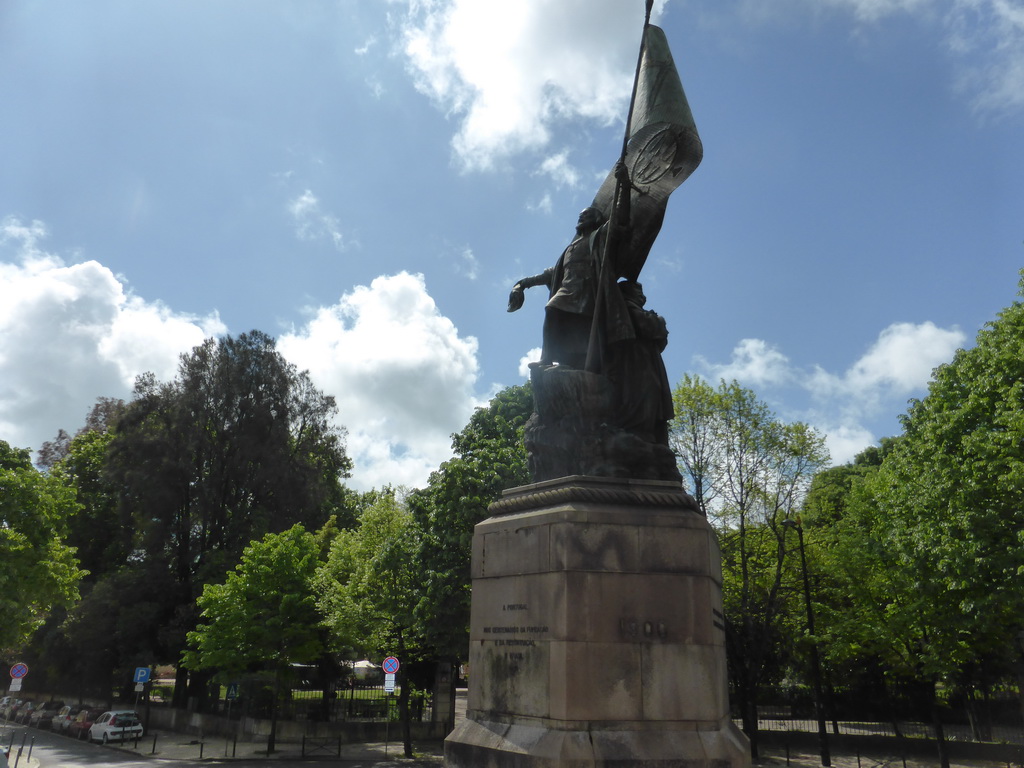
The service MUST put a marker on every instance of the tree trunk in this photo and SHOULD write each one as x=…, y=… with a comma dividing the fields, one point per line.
x=970, y=707
x=180, y=698
x=452, y=694
x=940, y=733
x=403, y=709
x=272, y=739
x=748, y=715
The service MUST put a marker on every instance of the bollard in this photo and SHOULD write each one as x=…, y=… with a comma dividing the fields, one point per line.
x=200, y=750
x=234, y=745
x=154, y=745
x=20, y=749
x=858, y=757
x=30, y=745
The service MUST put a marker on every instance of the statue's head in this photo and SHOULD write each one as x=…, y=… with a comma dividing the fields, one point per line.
x=589, y=220
x=632, y=292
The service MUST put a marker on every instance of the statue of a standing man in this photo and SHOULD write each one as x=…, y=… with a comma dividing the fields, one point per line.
x=574, y=283
x=601, y=394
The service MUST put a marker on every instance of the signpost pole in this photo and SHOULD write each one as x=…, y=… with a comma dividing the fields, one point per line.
x=390, y=666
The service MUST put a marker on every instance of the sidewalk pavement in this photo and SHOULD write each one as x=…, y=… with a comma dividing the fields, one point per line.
x=174, y=746
x=179, y=746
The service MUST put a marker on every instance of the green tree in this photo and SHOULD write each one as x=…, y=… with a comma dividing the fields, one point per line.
x=264, y=615
x=100, y=532
x=489, y=457
x=940, y=523
x=749, y=472
x=370, y=586
x=241, y=444
x=101, y=417
x=100, y=633
x=38, y=570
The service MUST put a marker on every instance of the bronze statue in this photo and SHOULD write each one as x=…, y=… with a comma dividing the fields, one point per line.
x=601, y=392
x=574, y=284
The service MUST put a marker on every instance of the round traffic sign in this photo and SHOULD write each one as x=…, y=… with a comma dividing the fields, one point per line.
x=18, y=671
x=390, y=665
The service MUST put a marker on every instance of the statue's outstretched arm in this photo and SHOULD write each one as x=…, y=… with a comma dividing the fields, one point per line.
x=517, y=295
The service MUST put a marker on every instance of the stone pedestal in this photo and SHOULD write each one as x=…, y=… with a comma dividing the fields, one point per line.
x=596, y=636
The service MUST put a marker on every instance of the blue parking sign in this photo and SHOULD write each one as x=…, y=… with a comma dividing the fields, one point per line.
x=141, y=675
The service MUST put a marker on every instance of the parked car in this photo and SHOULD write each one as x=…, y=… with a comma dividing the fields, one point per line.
x=116, y=725
x=9, y=707
x=63, y=718
x=82, y=722
x=24, y=712
x=42, y=716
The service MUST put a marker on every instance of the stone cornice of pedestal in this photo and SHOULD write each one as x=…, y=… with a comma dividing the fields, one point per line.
x=662, y=495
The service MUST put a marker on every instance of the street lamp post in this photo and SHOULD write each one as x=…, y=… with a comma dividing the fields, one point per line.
x=819, y=708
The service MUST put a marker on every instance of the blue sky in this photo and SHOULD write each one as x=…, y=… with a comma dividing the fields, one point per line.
x=365, y=181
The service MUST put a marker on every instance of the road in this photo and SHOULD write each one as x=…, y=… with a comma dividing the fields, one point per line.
x=51, y=750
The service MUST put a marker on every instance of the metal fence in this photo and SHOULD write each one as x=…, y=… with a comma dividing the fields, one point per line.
x=998, y=734
x=341, y=701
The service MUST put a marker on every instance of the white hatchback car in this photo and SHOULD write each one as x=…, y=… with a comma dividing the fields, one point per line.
x=116, y=725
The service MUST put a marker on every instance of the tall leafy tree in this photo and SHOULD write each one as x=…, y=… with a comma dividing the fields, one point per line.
x=749, y=472
x=100, y=531
x=38, y=570
x=264, y=615
x=489, y=457
x=101, y=417
x=239, y=445
x=99, y=633
x=370, y=587
x=940, y=590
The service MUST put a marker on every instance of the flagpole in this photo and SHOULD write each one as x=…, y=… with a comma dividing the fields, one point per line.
x=621, y=188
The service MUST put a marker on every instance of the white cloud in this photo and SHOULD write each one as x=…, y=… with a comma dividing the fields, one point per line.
x=844, y=442
x=544, y=205
x=524, y=362
x=512, y=71
x=403, y=377
x=990, y=37
x=753, y=363
x=897, y=365
x=468, y=264
x=872, y=10
x=986, y=38
x=560, y=171
x=72, y=333
x=365, y=47
x=312, y=223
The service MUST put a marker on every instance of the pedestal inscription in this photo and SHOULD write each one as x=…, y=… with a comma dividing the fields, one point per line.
x=596, y=635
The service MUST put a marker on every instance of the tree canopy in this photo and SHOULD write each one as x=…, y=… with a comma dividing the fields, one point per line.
x=749, y=472
x=38, y=570
x=932, y=537
x=489, y=457
x=240, y=444
x=263, y=615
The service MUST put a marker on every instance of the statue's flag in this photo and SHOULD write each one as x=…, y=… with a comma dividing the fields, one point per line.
x=662, y=150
